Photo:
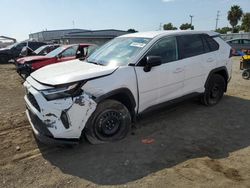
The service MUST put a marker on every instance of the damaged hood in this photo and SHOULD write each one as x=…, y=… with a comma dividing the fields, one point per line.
x=31, y=58
x=70, y=71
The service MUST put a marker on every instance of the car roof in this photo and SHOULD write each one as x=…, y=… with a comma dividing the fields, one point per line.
x=153, y=34
x=238, y=39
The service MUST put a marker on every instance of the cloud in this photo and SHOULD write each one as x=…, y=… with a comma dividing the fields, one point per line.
x=167, y=1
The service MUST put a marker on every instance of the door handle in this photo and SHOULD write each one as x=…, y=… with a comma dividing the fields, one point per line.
x=209, y=60
x=178, y=70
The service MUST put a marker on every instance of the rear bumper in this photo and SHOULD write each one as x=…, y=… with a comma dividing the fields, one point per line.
x=43, y=134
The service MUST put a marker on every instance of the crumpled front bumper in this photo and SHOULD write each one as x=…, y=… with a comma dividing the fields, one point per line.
x=58, y=120
x=42, y=133
x=24, y=70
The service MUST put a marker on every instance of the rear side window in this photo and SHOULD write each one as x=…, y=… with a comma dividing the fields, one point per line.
x=245, y=41
x=235, y=42
x=35, y=45
x=213, y=45
x=190, y=45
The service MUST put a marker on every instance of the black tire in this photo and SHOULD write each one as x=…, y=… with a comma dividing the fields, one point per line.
x=246, y=74
x=4, y=59
x=214, y=90
x=110, y=122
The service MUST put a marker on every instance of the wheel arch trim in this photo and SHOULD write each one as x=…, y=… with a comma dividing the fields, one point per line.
x=217, y=70
x=116, y=92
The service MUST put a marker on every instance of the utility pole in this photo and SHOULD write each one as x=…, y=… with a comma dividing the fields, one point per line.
x=73, y=24
x=191, y=22
x=160, y=27
x=217, y=20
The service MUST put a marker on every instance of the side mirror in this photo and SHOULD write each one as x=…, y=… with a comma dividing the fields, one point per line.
x=152, y=61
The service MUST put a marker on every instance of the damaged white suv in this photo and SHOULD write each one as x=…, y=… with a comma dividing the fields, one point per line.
x=100, y=97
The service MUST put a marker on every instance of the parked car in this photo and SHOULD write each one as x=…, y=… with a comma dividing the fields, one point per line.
x=29, y=64
x=239, y=46
x=99, y=98
x=43, y=50
x=13, y=51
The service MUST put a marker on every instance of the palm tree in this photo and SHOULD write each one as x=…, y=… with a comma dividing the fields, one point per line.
x=234, y=15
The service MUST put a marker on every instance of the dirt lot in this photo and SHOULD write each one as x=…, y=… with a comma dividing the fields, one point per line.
x=194, y=146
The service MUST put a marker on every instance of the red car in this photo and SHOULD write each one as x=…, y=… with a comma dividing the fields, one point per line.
x=26, y=65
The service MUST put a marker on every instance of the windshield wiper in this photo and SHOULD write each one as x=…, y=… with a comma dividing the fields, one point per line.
x=93, y=62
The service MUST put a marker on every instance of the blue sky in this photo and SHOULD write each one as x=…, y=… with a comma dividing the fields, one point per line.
x=21, y=17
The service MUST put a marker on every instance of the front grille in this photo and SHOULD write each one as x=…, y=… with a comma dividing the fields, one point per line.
x=33, y=101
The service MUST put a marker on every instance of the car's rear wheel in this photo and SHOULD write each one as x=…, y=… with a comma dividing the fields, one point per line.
x=246, y=74
x=110, y=122
x=4, y=59
x=214, y=90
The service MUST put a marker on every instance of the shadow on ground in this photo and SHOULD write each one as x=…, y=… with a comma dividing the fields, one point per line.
x=183, y=132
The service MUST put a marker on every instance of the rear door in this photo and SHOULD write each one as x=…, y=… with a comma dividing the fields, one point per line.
x=211, y=55
x=192, y=56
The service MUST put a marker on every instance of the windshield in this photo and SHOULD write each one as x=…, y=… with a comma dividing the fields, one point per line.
x=11, y=46
x=40, y=49
x=55, y=52
x=118, y=51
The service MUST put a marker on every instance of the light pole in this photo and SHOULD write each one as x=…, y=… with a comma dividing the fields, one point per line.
x=191, y=17
x=217, y=20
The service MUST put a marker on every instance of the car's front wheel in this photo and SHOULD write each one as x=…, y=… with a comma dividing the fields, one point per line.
x=214, y=90
x=110, y=122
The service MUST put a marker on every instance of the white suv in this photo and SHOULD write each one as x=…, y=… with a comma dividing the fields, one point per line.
x=100, y=97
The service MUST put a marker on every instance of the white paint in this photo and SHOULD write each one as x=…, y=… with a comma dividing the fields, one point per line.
x=153, y=34
x=165, y=82
x=70, y=71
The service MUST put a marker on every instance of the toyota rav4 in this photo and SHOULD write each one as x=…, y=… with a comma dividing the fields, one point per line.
x=100, y=97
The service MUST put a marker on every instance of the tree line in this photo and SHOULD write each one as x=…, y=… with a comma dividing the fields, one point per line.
x=234, y=16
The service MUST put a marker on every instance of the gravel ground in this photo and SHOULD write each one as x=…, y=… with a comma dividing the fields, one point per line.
x=194, y=146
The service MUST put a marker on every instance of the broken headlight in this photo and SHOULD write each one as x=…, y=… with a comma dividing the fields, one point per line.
x=65, y=91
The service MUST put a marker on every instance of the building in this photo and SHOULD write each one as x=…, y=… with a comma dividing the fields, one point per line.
x=97, y=37
x=51, y=35
x=6, y=41
x=73, y=36
x=240, y=35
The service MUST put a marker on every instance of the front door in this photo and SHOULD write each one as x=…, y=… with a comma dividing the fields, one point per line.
x=164, y=82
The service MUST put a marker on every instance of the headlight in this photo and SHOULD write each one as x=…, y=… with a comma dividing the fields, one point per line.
x=71, y=90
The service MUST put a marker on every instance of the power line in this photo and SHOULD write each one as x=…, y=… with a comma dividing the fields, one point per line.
x=217, y=20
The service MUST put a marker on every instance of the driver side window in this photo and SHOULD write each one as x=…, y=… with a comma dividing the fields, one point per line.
x=70, y=52
x=165, y=48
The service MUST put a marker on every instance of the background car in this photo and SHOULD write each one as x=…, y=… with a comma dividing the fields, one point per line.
x=43, y=50
x=26, y=65
x=13, y=51
x=239, y=46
